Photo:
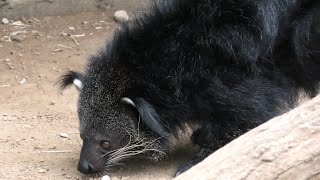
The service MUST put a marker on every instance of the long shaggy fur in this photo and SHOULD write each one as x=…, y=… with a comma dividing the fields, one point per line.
x=244, y=52
x=221, y=66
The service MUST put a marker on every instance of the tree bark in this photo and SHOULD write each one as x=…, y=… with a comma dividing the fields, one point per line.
x=286, y=147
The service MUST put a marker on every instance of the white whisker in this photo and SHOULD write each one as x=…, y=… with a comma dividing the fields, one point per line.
x=132, y=148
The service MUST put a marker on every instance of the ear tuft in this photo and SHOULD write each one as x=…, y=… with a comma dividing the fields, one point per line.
x=150, y=117
x=78, y=84
x=69, y=78
x=128, y=101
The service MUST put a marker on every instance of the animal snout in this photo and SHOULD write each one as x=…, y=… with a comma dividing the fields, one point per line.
x=85, y=167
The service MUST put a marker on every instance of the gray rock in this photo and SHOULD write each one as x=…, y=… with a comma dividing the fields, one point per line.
x=121, y=16
x=17, y=38
x=5, y=21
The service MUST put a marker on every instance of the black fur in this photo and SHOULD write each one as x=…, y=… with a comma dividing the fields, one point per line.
x=221, y=66
x=150, y=116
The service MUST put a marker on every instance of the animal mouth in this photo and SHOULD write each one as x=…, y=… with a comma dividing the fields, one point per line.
x=133, y=148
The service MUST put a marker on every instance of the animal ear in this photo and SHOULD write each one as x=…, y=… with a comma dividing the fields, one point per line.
x=149, y=116
x=69, y=78
x=128, y=101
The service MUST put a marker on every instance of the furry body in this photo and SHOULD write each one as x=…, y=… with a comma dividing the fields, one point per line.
x=219, y=67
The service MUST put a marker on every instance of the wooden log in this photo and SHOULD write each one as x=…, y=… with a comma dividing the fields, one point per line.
x=286, y=147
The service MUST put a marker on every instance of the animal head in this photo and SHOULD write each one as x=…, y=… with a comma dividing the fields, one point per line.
x=114, y=125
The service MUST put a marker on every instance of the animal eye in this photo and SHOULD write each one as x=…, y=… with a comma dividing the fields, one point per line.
x=105, y=144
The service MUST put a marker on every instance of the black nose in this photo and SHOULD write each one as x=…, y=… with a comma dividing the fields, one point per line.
x=85, y=167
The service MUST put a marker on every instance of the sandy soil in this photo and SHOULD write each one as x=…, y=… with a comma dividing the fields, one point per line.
x=34, y=115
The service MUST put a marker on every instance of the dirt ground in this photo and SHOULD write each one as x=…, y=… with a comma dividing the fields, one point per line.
x=39, y=136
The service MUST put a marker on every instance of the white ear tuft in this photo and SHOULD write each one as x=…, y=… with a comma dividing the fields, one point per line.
x=128, y=101
x=77, y=83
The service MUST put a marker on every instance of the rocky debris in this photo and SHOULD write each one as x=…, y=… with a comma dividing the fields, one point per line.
x=121, y=16
x=40, y=170
x=9, y=64
x=6, y=117
x=18, y=36
x=36, y=33
x=5, y=39
x=23, y=81
x=29, y=20
x=5, y=21
x=15, y=33
x=72, y=29
x=64, y=34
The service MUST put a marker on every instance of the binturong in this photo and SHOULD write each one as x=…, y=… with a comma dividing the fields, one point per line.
x=202, y=70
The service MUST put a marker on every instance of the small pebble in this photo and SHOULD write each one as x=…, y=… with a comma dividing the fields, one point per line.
x=40, y=170
x=17, y=38
x=121, y=16
x=23, y=81
x=64, y=135
x=105, y=177
x=52, y=103
x=5, y=21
